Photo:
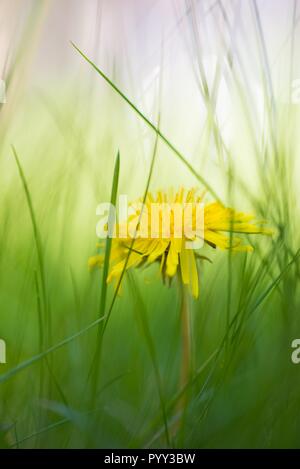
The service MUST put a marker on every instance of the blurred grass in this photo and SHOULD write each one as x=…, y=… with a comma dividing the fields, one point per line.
x=244, y=388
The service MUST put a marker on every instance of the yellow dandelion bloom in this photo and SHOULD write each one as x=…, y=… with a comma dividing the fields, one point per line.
x=158, y=232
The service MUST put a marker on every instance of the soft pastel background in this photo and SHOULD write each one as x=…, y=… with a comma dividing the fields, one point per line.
x=220, y=77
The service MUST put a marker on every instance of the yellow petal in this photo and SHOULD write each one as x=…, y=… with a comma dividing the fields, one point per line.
x=194, y=274
x=172, y=259
x=189, y=271
x=95, y=261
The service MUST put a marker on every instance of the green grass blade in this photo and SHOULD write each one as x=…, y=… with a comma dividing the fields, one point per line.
x=113, y=200
x=97, y=355
x=152, y=126
x=142, y=319
x=133, y=239
x=38, y=244
x=25, y=364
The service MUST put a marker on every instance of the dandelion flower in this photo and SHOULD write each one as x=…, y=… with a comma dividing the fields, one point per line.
x=169, y=244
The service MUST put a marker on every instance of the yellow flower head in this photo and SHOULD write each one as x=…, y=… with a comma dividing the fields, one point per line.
x=159, y=230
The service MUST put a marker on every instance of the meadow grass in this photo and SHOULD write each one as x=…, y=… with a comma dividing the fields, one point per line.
x=89, y=365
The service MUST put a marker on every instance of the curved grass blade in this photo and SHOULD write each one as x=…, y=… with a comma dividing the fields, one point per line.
x=216, y=354
x=39, y=250
x=25, y=364
x=37, y=240
x=63, y=421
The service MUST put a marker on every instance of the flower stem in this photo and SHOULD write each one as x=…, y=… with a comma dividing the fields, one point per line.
x=185, y=366
x=186, y=341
